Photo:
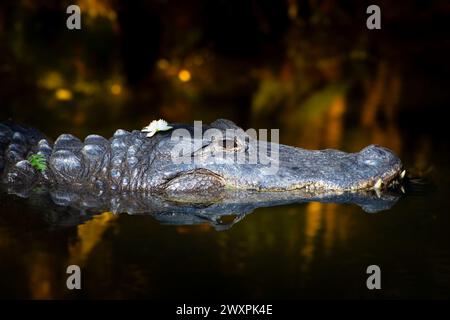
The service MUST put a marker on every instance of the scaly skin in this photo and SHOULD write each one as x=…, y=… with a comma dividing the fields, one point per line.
x=65, y=207
x=132, y=162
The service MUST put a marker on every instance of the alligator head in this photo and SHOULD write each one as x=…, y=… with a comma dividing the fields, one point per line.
x=229, y=158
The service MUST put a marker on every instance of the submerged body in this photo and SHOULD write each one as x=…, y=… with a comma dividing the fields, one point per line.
x=133, y=162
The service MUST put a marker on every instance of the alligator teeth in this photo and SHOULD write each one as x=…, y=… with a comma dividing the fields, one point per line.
x=377, y=186
x=402, y=175
x=403, y=189
x=378, y=193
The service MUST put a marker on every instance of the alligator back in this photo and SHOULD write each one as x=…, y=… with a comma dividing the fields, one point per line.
x=17, y=142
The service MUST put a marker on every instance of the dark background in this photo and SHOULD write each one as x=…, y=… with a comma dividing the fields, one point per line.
x=310, y=68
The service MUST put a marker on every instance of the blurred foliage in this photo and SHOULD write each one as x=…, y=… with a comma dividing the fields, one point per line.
x=309, y=67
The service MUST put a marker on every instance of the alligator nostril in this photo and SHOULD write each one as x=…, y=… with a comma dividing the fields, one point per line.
x=229, y=144
x=370, y=162
x=375, y=155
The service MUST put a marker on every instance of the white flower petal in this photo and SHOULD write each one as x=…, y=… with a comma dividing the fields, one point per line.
x=155, y=126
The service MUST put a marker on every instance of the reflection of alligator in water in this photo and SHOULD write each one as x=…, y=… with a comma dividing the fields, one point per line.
x=73, y=207
x=133, y=173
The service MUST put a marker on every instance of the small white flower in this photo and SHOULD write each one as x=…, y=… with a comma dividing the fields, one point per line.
x=155, y=126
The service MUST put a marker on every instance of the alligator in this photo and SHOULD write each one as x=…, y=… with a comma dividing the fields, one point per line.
x=133, y=165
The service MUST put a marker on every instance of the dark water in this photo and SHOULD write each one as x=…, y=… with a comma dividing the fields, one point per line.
x=319, y=77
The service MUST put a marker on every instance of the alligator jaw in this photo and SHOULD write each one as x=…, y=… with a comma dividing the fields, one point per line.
x=320, y=171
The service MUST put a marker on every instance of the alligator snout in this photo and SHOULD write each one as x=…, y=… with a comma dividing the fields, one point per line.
x=375, y=155
x=380, y=166
x=319, y=171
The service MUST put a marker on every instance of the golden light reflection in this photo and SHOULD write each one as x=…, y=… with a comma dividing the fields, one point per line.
x=98, y=8
x=334, y=129
x=89, y=235
x=322, y=119
x=325, y=227
x=41, y=276
x=116, y=89
x=86, y=87
x=63, y=94
x=330, y=235
x=163, y=64
x=184, y=75
x=330, y=68
x=383, y=94
x=292, y=9
x=51, y=80
x=313, y=223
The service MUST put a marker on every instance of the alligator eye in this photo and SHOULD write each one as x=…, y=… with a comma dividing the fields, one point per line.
x=228, y=144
